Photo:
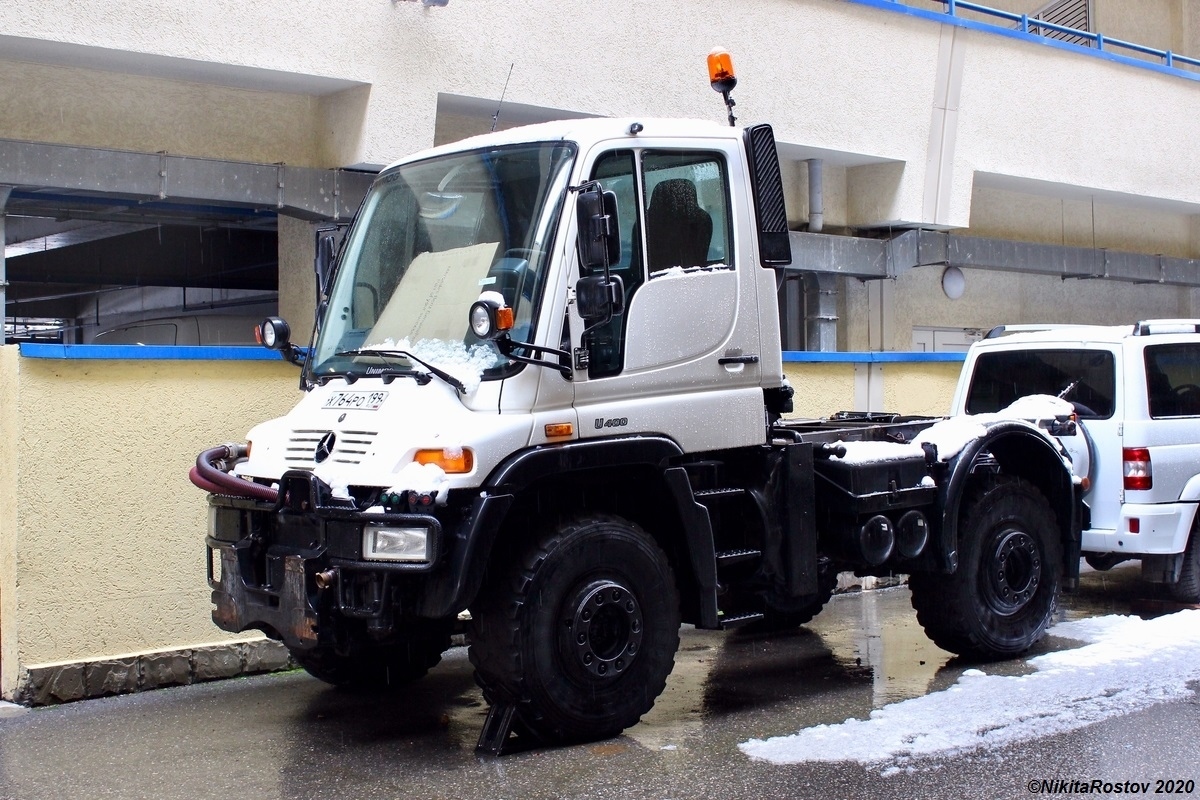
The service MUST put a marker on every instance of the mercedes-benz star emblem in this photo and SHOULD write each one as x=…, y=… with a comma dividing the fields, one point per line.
x=324, y=447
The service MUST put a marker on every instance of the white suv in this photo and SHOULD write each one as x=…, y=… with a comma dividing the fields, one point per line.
x=1136, y=391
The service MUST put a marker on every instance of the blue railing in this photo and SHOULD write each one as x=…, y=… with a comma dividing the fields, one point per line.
x=1033, y=28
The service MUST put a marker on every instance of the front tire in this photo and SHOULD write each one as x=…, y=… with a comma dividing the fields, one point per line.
x=580, y=633
x=1003, y=595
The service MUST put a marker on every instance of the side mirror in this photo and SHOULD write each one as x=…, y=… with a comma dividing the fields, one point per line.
x=324, y=261
x=599, y=235
x=598, y=298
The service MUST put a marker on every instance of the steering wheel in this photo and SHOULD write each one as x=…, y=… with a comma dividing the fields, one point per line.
x=526, y=253
x=1186, y=388
x=1083, y=410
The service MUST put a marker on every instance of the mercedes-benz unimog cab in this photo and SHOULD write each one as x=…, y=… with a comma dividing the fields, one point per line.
x=546, y=390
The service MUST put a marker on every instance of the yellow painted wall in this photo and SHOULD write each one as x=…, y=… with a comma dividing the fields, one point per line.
x=821, y=388
x=9, y=424
x=102, y=532
x=923, y=388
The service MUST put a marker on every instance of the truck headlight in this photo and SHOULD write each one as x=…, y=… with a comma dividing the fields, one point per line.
x=384, y=543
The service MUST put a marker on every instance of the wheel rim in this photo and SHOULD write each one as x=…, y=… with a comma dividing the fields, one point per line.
x=1013, y=571
x=606, y=629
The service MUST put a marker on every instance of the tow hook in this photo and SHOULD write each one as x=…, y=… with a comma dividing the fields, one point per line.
x=326, y=579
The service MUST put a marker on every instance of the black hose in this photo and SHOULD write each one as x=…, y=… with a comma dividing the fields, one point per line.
x=207, y=476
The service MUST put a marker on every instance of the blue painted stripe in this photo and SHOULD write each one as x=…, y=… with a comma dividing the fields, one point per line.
x=133, y=352
x=814, y=357
x=947, y=19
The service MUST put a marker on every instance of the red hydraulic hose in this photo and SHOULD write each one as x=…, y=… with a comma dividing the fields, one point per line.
x=207, y=476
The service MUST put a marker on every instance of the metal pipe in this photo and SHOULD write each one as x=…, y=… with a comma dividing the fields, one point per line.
x=5, y=191
x=816, y=195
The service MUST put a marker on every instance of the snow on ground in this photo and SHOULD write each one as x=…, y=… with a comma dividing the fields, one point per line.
x=1128, y=664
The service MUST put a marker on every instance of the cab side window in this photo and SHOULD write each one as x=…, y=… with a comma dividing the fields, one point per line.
x=687, y=210
x=673, y=217
x=1173, y=380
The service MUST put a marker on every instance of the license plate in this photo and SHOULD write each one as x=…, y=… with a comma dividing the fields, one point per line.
x=363, y=401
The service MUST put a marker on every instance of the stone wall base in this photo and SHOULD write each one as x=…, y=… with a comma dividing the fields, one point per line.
x=81, y=680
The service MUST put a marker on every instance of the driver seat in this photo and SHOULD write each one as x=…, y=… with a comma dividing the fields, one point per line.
x=678, y=230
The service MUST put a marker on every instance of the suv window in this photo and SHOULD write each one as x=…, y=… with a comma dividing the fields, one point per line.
x=1086, y=378
x=1173, y=379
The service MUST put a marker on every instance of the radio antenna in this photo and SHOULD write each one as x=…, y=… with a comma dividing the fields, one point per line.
x=504, y=91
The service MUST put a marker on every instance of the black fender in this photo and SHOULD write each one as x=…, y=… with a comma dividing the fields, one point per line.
x=453, y=588
x=1017, y=448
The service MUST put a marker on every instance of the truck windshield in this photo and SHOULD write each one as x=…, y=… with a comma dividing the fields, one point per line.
x=430, y=238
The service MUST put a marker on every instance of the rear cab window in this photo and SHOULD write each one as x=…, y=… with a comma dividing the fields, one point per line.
x=1085, y=378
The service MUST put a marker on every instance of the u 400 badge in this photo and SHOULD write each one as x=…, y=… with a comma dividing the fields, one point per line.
x=615, y=422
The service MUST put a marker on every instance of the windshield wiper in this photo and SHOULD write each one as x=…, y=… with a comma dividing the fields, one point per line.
x=441, y=373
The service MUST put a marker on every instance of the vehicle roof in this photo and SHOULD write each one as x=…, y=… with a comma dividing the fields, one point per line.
x=585, y=132
x=1017, y=335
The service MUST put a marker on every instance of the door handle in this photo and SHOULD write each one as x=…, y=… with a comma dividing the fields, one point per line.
x=737, y=360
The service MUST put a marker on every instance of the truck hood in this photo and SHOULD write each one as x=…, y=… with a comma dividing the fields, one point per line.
x=367, y=434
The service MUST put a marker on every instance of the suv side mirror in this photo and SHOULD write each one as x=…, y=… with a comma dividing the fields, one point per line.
x=599, y=236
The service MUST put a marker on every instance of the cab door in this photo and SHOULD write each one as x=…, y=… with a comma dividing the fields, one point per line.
x=682, y=357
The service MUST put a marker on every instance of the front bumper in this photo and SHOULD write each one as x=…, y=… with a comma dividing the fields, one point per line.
x=296, y=570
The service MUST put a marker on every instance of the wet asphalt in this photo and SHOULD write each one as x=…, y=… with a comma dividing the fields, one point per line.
x=289, y=736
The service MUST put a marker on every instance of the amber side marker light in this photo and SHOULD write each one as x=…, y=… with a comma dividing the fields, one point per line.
x=558, y=429
x=451, y=460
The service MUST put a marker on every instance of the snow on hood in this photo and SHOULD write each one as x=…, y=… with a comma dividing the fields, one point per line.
x=465, y=363
x=1128, y=664
x=953, y=434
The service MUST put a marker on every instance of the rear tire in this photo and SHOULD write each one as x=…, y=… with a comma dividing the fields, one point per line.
x=1187, y=590
x=580, y=633
x=379, y=667
x=1003, y=595
x=781, y=616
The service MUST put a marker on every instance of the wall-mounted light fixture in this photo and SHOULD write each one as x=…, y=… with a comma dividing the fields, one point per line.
x=954, y=283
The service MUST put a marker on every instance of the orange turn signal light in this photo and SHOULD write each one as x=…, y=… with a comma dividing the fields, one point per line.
x=558, y=429
x=455, y=460
x=504, y=319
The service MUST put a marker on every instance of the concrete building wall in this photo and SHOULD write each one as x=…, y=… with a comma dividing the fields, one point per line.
x=93, y=108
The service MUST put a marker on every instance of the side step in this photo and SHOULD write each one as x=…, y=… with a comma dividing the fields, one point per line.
x=727, y=558
x=738, y=620
x=703, y=495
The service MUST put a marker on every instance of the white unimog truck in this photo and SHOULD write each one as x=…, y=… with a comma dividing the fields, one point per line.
x=546, y=388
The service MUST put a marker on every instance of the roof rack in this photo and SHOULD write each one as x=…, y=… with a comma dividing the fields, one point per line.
x=1146, y=327
x=1004, y=330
